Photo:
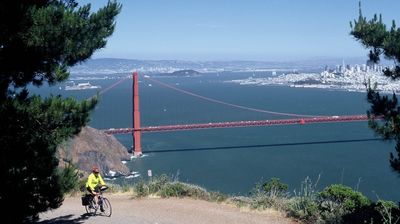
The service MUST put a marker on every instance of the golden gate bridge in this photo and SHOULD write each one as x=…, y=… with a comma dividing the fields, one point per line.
x=137, y=129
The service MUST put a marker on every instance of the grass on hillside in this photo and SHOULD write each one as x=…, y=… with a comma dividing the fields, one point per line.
x=335, y=204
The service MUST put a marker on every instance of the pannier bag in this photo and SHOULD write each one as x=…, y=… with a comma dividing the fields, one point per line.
x=86, y=199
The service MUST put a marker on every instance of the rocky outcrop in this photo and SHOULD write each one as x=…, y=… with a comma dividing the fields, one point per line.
x=93, y=147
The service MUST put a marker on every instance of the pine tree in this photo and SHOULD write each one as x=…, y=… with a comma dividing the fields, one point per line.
x=374, y=35
x=39, y=40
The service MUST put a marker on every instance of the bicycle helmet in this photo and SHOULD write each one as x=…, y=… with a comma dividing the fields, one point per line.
x=95, y=169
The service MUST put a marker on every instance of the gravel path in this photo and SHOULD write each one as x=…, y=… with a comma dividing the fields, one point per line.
x=161, y=211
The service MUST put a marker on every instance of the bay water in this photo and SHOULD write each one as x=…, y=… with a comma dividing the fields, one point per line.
x=233, y=160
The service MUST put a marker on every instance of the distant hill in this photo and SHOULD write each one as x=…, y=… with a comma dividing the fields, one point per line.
x=186, y=72
x=91, y=147
x=107, y=66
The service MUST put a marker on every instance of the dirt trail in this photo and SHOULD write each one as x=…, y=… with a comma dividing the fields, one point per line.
x=161, y=211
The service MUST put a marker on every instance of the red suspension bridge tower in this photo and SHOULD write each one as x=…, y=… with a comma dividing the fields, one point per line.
x=137, y=146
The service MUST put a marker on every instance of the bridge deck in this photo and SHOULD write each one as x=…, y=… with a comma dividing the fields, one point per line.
x=233, y=124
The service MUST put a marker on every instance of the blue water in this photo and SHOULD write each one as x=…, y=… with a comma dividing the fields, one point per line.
x=233, y=160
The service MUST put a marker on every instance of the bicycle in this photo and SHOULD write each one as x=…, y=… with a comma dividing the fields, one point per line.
x=104, y=205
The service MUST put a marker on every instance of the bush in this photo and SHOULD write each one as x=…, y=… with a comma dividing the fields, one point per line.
x=275, y=188
x=270, y=194
x=153, y=186
x=141, y=189
x=70, y=179
x=178, y=189
x=345, y=196
x=341, y=204
x=304, y=208
x=331, y=212
x=164, y=186
x=175, y=189
x=388, y=212
x=304, y=205
x=157, y=183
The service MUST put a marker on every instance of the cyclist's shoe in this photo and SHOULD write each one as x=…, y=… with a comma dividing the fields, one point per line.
x=101, y=208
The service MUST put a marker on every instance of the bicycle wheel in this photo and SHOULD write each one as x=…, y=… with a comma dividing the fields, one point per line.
x=91, y=208
x=107, y=210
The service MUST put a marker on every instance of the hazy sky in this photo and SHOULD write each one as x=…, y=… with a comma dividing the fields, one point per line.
x=239, y=29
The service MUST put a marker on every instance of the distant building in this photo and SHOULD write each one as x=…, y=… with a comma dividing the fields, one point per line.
x=358, y=68
x=363, y=67
x=370, y=63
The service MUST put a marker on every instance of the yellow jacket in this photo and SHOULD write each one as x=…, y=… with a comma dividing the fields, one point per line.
x=93, y=181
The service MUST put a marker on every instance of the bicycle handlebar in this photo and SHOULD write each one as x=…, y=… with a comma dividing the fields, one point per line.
x=103, y=188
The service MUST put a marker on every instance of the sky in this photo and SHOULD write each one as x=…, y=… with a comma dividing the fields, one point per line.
x=262, y=30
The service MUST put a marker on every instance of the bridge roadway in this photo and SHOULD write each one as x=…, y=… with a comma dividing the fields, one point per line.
x=235, y=124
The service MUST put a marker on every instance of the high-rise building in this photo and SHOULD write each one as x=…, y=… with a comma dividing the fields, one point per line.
x=370, y=63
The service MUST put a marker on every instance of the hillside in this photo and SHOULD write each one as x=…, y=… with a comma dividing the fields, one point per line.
x=91, y=147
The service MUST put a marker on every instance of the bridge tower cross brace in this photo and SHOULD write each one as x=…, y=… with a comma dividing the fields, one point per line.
x=137, y=146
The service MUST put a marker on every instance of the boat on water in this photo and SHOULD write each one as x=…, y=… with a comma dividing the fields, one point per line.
x=81, y=86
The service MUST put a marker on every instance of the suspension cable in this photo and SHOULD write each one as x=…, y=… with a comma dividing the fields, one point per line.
x=226, y=103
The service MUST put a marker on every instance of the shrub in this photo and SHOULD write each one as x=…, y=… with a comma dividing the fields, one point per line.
x=304, y=208
x=81, y=185
x=341, y=204
x=141, y=189
x=304, y=205
x=275, y=188
x=178, y=189
x=195, y=191
x=331, y=211
x=388, y=211
x=70, y=178
x=164, y=186
x=175, y=189
x=153, y=186
x=345, y=196
x=157, y=183
x=270, y=194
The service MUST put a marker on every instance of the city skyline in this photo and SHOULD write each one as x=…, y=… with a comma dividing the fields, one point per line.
x=239, y=30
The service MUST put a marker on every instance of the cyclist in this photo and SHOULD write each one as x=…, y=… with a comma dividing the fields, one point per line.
x=94, y=184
